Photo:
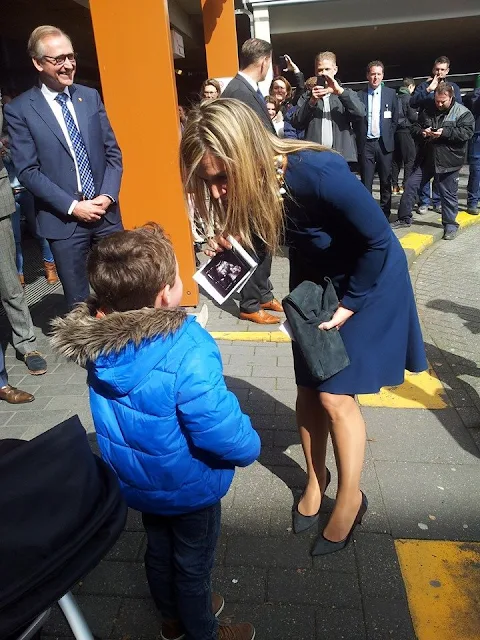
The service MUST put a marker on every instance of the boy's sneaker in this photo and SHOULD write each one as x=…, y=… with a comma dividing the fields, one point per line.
x=173, y=630
x=422, y=210
x=242, y=631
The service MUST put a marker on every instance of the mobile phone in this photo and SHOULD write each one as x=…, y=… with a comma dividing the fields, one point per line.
x=282, y=62
x=321, y=81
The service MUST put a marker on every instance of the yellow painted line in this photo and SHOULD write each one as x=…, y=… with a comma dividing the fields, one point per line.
x=254, y=336
x=443, y=587
x=418, y=242
x=419, y=391
x=464, y=219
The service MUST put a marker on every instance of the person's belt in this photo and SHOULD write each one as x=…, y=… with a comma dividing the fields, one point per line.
x=18, y=190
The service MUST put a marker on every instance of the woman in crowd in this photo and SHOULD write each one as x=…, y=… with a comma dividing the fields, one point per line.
x=273, y=108
x=210, y=89
x=335, y=229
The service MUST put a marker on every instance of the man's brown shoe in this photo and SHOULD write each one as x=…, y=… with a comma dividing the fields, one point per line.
x=260, y=317
x=15, y=396
x=51, y=272
x=273, y=305
x=173, y=629
x=242, y=631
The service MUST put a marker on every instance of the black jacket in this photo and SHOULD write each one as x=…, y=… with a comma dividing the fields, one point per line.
x=242, y=90
x=447, y=152
x=472, y=102
x=406, y=115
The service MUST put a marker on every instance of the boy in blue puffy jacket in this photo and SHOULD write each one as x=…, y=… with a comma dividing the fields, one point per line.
x=165, y=421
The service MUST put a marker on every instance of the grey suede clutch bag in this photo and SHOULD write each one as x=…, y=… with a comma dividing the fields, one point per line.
x=307, y=306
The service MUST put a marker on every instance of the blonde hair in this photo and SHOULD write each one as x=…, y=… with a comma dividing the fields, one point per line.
x=232, y=132
x=326, y=55
x=35, y=46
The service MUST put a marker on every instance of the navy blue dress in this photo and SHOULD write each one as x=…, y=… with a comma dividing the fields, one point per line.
x=336, y=229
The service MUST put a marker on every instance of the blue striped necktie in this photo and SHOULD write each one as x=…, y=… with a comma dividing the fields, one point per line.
x=83, y=163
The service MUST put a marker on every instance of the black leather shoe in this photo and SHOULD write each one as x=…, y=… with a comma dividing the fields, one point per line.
x=301, y=523
x=323, y=546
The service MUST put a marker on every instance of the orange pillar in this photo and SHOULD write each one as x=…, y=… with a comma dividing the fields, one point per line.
x=220, y=37
x=136, y=67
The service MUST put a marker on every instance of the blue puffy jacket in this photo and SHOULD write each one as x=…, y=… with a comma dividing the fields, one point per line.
x=165, y=421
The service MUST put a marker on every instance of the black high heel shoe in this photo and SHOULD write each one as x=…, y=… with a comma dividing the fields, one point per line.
x=323, y=546
x=301, y=523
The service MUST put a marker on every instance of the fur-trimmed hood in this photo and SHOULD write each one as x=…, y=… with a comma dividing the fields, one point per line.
x=120, y=348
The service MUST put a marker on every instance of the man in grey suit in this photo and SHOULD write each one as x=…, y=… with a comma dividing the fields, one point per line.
x=256, y=297
x=11, y=292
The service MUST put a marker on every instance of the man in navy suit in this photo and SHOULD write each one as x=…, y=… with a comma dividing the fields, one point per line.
x=380, y=123
x=255, y=61
x=66, y=155
x=256, y=297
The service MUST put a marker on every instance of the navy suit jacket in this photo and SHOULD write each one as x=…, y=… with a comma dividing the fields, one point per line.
x=43, y=161
x=388, y=126
x=242, y=90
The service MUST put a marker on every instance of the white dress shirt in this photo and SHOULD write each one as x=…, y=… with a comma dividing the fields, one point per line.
x=374, y=108
x=56, y=107
x=327, y=128
x=250, y=81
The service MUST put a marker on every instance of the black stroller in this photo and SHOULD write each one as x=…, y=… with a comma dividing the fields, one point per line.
x=60, y=512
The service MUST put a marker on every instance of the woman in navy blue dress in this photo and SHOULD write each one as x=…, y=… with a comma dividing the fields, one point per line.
x=263, y=187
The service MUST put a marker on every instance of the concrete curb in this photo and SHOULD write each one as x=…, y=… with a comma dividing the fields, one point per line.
x=427, y=230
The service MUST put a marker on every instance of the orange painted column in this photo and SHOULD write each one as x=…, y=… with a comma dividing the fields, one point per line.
x=220, y=37
x=136, y=67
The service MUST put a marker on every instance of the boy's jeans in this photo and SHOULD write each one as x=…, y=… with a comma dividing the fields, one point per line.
x=179, y=561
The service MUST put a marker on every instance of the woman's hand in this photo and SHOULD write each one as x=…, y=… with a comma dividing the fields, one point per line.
x=217, y=245
x=340, y=316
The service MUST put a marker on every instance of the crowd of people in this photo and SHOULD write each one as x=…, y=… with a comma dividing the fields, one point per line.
x=165, y=421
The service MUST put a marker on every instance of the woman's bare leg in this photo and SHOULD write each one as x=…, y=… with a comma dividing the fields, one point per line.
x=348, y=438
x=313, y=425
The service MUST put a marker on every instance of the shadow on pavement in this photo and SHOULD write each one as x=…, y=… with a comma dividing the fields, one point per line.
x=470, y=315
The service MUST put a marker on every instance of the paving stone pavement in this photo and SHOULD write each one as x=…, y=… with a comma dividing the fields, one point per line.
x=418, y=464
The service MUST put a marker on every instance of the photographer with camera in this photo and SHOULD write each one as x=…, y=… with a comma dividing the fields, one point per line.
x=326, y=113
x=443, y=130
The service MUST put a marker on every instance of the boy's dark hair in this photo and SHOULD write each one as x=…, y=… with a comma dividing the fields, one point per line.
x=129, y=268
x=252, y=50
x=442, y=60
x=406, y=82
x=375, y=63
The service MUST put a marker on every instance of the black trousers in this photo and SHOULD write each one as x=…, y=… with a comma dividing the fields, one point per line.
x=376, y=159
x=403, y=155
x=258, y=289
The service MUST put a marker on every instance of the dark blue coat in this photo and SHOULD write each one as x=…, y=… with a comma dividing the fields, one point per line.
x=421, y=97
x=336, y=229
x=45, y=165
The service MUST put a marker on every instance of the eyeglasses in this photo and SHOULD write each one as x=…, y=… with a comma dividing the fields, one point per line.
x=59, y=60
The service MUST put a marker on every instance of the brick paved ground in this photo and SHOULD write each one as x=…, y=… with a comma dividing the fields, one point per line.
x=264, y=572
